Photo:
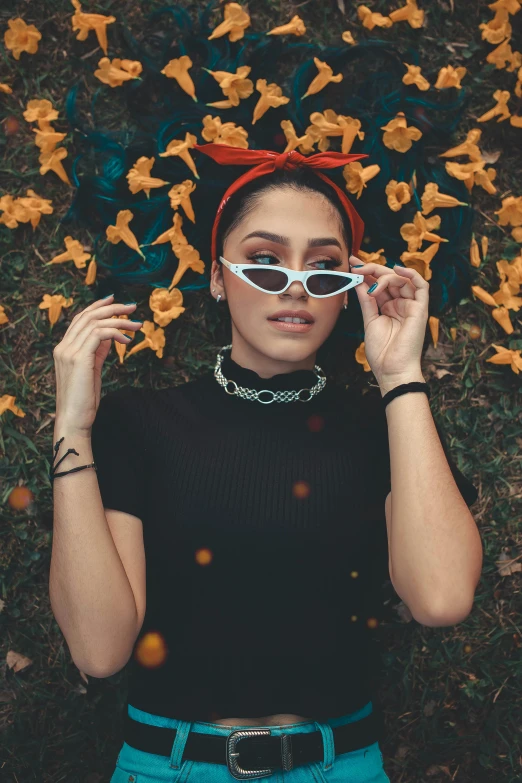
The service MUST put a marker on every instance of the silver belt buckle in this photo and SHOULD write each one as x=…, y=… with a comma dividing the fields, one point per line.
x=232, y=754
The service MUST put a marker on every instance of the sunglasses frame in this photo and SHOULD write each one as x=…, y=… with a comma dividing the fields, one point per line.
x=238, y=269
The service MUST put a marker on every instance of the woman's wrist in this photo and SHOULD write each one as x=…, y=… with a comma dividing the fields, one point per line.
x=386, y=384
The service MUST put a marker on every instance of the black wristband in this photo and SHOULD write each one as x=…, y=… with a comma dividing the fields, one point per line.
x=404, y=388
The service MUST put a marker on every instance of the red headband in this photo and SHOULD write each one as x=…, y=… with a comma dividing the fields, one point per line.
x=267, y=161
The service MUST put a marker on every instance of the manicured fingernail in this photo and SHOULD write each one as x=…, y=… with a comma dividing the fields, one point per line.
x=356, y=266
x=108, y=295
x=374, y=286
x=126, y=304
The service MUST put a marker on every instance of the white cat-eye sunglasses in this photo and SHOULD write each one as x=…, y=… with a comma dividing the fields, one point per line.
x=275, y=280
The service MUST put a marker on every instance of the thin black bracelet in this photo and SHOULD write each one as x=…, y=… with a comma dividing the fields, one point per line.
x=404, y=388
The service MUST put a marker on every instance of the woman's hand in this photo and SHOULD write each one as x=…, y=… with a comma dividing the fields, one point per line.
x=393, y=340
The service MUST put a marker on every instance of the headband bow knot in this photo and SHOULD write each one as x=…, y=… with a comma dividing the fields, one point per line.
x=267, y=161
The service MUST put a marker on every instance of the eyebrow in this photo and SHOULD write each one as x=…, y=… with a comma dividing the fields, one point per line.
x=281, y=240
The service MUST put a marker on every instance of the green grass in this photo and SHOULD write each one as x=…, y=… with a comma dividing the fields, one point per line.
x=451, y=695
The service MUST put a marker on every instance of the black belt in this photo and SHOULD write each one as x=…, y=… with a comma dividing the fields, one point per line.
x=251, y=750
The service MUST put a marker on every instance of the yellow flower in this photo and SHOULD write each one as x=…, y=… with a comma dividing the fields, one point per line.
x=324, y=77
x=139, y=177
x=503, y=54
x=41, y=111
x=517, y=234
x=512, y=6
x=47, y=138
x=474, y=255
x=174, y=234
x=500, y=110
x=468, y=147
x=305, y=143
x=371, y=20
x=74, y=252
x=235, y=23
x=5, y=88
x=421, y=230
x=166, y=305
x=52, y=161
x=36, y=206
x=398, y=194
x=375, y=257
x=414, y=76
x=465, y=171
x=117, y=72
x=154, y=338
x=54, y=303
x=181, y=148
x=450, y=77
x=484, y=178
x=516, y=121
x=188, y=259
x=121, y=231
x=497, y=28
x=234, y=85
x=420, y=260
x=356, y=176
x=271, y=96
x=86, y=22
x=180, y=196
x=348, y=37
x=21, y=37
x=331, y=124
x=178, y=69
x=431, y=199
x=408, y=13
x=507, y=356
x=510, y=211
x=295, y=26
x=13, y=212
x=224, y=133
x=398, y=136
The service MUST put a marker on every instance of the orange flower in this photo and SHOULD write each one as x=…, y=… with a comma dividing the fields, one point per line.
x=374, y=257
x=181, y=148
x=121, y=231
x=13, y=212
x=409, y=13
x=331, y=124
x=360, y=358
x=234, y=85
x=74, y=252
x=484, y=247
x=324, y=77
x=507, y=356
x=54, y=303
x=356, y=176
x=224, y=133
x=5, y=88
x=178, y=69
x=421, y=230
x=86, y=22
x=450, y=77
x=415, y=77
x=348, y=37
x=465, y=171
x=398, y=194
x=139, y=177
x=188, y=259
x=485, y=178
x=235, y=23
x=166, y=305
x=420, y=260
x=431, y=199
x=36, y=206
x=518, y=85
x=295, y=26
x=512, y=6
x=371, y=20
x=503, y=54
x=305, y=143
x=40, y=111
x=398, y=136
x=500, y=109
x=180, y=196
x=271, y=97
x=474, y=255
x=468, y=147
x=497, y=28
x=517, y=234
x=516, y=121
x=510, y=211
x=47, y=138
x=174, y=234
x=3, y=316
x=52, y=161
x=21, y=37
x=154, y=338
x=117, y=72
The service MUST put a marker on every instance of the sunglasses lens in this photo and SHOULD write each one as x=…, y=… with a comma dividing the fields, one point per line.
x=271, y=280
x=324, y=284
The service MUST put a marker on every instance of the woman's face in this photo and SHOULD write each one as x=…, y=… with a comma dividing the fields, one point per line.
x=305, y=234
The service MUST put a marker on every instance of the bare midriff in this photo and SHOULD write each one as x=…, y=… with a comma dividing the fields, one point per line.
x=269, y=720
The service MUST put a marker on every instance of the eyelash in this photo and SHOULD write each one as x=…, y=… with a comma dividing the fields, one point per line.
x=335, y=263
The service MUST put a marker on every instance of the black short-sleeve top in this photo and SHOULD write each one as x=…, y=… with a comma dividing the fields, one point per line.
x=264, y=532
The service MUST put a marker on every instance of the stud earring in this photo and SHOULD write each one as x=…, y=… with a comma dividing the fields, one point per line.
x=345, y=306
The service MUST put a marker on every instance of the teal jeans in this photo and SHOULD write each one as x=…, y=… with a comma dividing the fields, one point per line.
x=357, y=766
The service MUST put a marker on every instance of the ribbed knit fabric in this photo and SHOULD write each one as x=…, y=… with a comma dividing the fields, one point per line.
x=265, y=541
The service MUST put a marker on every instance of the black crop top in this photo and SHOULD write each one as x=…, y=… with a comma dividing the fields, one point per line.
x=265, y=538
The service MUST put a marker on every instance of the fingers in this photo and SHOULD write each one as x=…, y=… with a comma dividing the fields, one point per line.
x=406, y=281
x=94, y=312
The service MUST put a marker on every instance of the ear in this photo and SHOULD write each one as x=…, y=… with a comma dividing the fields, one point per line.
x=216, y=280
